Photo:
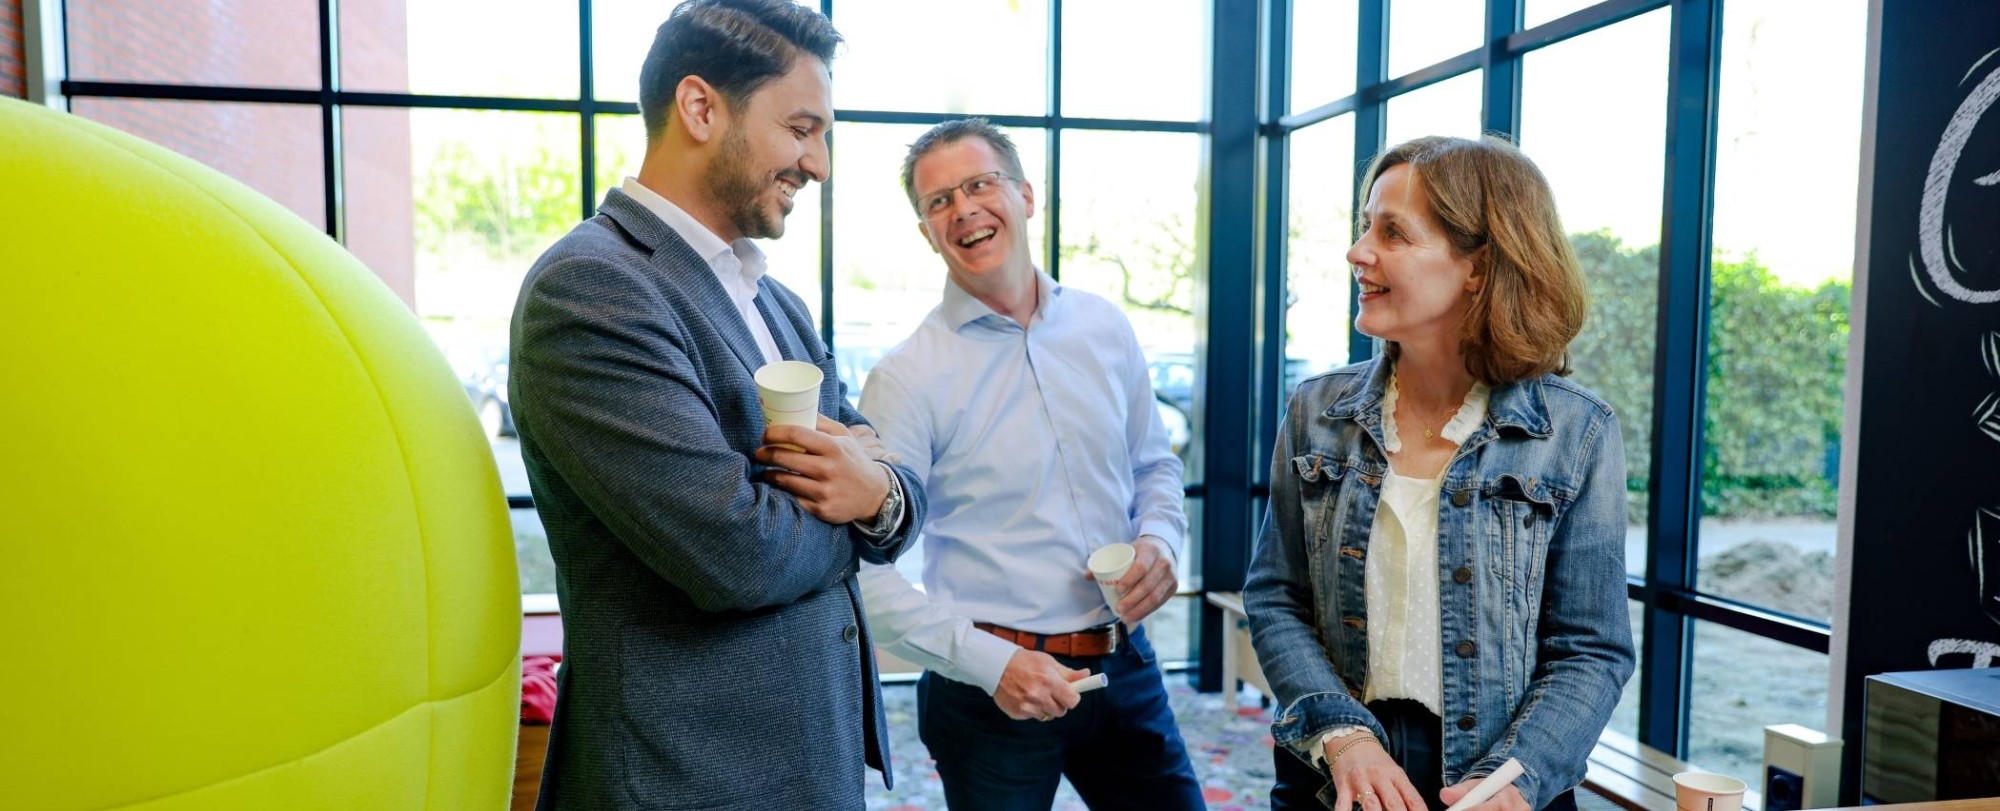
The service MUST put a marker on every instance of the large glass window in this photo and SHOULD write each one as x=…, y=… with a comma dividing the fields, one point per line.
x=1450, y=107
x=1425, y=31
x=1130, y=234
x=525, y=48
x=1536, y=12
x=1603, y=159
x=1322, y=64
x=1318, y=281
x=1742, y=683
x=985, y=57
x=253, y=43
x=1099, y=53
x=1784, y=258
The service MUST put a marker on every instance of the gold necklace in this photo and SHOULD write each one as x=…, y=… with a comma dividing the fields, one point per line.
x=1432, y=428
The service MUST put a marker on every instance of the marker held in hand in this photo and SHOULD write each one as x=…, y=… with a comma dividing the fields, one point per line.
x=1499, y=779
x=1090, y=682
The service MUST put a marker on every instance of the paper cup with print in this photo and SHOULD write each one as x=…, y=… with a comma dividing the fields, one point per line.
x=1109, y=563
x=1701, y=791
x=789, y=392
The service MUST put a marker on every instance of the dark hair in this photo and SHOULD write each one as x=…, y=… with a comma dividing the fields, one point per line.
x=734, y=45
x=958, y=130
x=1487, y=194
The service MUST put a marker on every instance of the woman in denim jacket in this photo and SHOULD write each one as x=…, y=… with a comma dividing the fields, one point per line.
x=1440, y=582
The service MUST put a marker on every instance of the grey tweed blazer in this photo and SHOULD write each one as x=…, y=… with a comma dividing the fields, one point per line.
x=715, y=651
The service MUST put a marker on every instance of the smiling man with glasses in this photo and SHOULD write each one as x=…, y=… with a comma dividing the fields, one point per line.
x=1026, y=408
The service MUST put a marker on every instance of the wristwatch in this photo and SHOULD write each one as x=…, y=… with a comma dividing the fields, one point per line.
x=892, y=507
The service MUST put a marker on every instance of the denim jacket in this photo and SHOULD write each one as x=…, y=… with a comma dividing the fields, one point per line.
x=1535, y=641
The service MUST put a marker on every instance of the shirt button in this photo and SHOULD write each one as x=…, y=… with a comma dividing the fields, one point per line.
x=1466, y=723
x=1466, y=649
x=851, y=632
x=1462, y=575
x=1461, y=498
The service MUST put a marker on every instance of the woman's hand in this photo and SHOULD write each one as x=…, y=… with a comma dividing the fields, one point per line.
x=1509, y=798
x=1364, y=773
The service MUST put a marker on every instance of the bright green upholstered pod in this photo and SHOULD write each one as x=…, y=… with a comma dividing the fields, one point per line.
x=255, y=549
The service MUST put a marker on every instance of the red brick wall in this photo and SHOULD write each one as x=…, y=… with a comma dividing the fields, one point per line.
x=273, y=148
x=13, y=73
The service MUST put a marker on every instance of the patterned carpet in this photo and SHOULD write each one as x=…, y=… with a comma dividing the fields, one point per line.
x=1231, y=752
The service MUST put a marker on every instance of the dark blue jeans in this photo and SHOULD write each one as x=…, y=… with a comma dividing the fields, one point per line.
x=1119, y=748
x=1415, y=738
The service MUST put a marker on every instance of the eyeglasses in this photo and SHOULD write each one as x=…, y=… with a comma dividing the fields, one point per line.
x=976, y=187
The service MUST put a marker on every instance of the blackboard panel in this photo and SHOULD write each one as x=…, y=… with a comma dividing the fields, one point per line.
x=1926, y=543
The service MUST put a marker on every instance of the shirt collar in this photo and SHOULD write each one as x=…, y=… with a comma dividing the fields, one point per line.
x=749, y=258
x=961, y=308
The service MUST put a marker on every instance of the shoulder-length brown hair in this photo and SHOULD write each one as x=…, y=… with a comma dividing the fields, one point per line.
x=1486, y=194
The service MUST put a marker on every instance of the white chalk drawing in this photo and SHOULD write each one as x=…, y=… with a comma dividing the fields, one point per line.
x=1940, y=257
x=1982, y=653
x=1985, y=542
x=1987, y=414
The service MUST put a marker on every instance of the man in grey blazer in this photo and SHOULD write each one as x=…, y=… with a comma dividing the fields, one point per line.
x=715, y=652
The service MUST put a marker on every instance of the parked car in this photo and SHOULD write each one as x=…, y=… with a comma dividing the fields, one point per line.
x=483, y=373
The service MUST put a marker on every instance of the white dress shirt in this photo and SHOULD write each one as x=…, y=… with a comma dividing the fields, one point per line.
x=737, y=265
x=1037, y=446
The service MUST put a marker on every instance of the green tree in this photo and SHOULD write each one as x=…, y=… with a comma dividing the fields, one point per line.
x=1776, y=359
x=1154, y=273
x=1614, y=355
x=511, y=207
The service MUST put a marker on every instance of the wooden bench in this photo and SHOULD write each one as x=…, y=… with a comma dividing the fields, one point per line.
x=1239, y=659
x=1639, y=777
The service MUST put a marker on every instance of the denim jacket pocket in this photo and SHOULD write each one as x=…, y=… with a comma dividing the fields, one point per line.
x=1524, y=511
x=1320, y=478
x=1319, y=492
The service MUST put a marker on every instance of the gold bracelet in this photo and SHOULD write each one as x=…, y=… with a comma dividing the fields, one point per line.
x=1359, y=736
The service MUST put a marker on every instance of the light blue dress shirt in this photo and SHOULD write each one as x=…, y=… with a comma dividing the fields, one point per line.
x=1036, y=446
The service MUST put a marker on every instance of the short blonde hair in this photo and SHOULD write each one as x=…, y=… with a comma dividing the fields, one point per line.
x=1486, y=194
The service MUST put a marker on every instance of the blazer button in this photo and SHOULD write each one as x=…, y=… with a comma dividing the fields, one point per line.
x=1466, y=649
x=1466, y=723
x=1461, y=498
x=1462, y=575
x=851, y=632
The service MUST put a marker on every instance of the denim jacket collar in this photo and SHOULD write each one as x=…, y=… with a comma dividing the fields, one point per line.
x=1515, y=405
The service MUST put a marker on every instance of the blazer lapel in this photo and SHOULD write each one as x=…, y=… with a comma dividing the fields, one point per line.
x=679, y=262
x=781, y=328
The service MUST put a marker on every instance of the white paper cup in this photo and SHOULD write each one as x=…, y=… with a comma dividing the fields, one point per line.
x=789, y=386
x=803, y=419
x=1107, y=564
x=1702, y=791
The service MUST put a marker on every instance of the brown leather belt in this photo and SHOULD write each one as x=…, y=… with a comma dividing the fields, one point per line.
x=1099, y=641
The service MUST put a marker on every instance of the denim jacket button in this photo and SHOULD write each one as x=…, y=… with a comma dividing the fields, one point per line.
x=1528, y=520
x=1461, y=498
x=1466, y=649
x=1462, y=575
x=1466, y=723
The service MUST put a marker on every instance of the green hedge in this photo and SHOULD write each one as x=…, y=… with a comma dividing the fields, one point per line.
x=1776, y=357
